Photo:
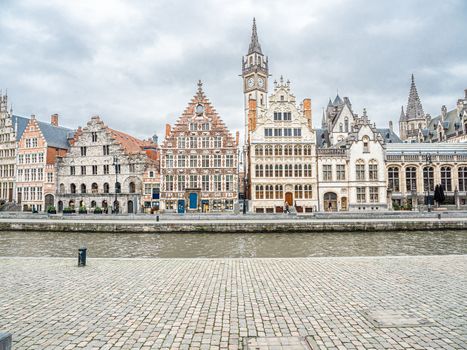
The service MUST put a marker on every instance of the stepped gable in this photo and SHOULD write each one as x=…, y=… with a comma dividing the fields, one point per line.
x=210, y=114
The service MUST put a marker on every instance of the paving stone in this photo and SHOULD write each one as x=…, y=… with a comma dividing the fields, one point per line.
x=220, y=303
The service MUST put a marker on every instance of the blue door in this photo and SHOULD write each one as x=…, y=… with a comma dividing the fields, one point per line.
x=181, y=206
x=193, y=201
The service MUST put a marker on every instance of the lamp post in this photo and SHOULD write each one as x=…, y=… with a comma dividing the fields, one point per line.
x=116, y=164
x=428, y=162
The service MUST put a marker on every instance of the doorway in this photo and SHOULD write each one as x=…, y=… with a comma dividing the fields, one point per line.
x=330, y=201
x=130, y=207
x=289, y=198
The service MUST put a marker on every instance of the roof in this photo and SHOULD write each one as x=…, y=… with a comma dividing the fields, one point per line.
x=254, y=43
x=130, y=144
x=322, y=137
x=55, y=136
x=389, y=135
x=19, y=124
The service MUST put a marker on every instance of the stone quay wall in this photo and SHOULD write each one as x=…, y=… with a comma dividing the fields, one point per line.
x=234, y=226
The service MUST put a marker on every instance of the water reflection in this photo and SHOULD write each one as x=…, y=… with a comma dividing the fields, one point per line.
x=149, y=245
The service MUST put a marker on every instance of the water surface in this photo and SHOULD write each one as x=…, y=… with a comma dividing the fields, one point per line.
x=210, y=245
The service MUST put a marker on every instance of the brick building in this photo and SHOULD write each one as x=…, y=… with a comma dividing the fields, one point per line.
x=199, y=161
x=37, y=151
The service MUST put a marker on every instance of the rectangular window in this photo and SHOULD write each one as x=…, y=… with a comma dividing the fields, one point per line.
x=181, y=142
x=118, y=169
x=33, y=158
x=20, y=159
x=193, y=161
x=40, y=174
x=94, y=169
x=147, y=189
x=34, y=142
x=94, y=136
x=132, y=168
x=298, y=170
x=393, y=179
x=106, y=169
x=287, y=132
x=33, y=174
x=327, y=172
x=218, y=142
x=217, y=183
x=297, y=132
x=360, y=171
x=205, y=142
x=169, y=161
x=83, y=151
x=169, y=183
x=229, y=182
x=193, y=181
x=28, y=143
x=361, y=197
x=229, y=161
x=41, y=157
x=181, y=182
x=28, y=158
x=106, y=150
x=374, y=195
x=50, y=177
x=181, y=161
x=307, y=170
x=373, y=171
x=277, y=116
x=193, y=142
x=205, y=161
x=205, y=183
x=83, y=170
x=277, y=132
x=217, y=161
x=287, y=115
x=340, y=172
x=268, y=132
x=72, y=170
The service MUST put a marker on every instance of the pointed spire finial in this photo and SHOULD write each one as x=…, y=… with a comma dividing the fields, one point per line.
x=413, y=79
x=200, y=90
x=254, y=43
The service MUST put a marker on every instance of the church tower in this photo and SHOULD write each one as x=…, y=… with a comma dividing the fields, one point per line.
x=414, y=118
x=255, y=72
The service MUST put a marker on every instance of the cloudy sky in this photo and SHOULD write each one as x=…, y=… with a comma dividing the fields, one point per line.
x=136, y=63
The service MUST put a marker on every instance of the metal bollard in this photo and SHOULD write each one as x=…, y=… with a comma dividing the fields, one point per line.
x=82, y=256
x=157, y=218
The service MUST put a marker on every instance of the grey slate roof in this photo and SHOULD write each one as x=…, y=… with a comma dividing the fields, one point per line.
x=56, y=136
x=19, y=124
x=254, y=44
x=389, y=135
x=322, y=137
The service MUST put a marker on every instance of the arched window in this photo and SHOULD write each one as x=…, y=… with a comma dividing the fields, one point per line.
x=346, y=125
x=269, y=192
x=307, y=150
x=278, y=170
x=279, y=192
x=94, y=188
x=118, y=187
x=341, y=127
x=72, y=188
x=298, y=191
x=132, y=187
x=278, y=150
x=366, y=144
x=307, y=191
x=83, y=188
x=93, y=204
x=360, y=169
x=259, y=170
x=393, y=179
x=446, y=180
x=411, y=178
x=106, y=187
x=62, y=188
x=258, y=150
x=259, y=192
x=288, y=150
x=268, y=150
x=373, y=169
x=298, y=150
x=428, y=179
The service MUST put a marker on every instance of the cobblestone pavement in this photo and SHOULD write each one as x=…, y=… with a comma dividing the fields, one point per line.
x=337, y=303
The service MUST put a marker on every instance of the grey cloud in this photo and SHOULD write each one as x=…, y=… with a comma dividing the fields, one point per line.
x=136, y=63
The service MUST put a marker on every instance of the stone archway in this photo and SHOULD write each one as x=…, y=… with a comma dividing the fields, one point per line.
x=48, y=200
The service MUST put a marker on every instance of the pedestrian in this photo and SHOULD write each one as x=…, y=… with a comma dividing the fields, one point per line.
x=330, y=206
x=286, y=205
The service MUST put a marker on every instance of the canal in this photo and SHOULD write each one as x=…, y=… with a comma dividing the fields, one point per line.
x=149, y=245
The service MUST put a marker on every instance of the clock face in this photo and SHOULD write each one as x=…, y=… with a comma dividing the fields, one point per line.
x=199, y=109
x=260, y=82
x=250, y=82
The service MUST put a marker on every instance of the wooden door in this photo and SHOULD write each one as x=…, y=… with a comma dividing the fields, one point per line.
x=289, y=198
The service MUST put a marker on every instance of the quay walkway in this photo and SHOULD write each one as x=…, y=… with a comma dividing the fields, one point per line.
x=303, y=303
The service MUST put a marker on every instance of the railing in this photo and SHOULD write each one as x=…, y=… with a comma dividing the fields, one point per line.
x=332, y=152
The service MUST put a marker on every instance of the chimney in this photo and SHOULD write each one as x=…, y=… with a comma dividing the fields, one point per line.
x=167, y=130
x=251, y=115
x=307, y=111
x=390, y=126
x=54, y=119
x=237, y=137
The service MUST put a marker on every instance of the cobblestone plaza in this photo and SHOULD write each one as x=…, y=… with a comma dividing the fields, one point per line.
x=330, y=303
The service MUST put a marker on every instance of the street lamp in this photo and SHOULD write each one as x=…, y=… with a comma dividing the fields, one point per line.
x=428, y=162
x=116, y=163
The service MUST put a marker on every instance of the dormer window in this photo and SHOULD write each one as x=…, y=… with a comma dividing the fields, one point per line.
x=366, y=147
x=282, y=98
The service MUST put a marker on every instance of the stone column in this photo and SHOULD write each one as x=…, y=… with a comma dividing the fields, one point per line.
x=389, y=198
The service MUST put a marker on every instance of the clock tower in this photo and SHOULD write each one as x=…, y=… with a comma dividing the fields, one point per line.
x=255, y=72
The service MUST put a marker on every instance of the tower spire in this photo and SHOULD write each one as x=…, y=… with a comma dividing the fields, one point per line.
x=414, y=106
x=254, y=43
